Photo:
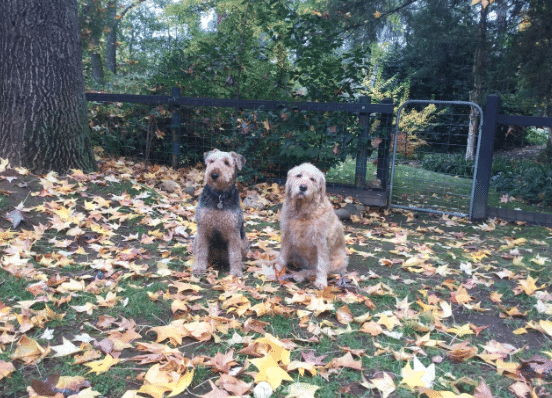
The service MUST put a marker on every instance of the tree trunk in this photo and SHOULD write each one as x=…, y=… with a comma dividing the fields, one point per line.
x=96, y=63
x=43, y=117
x=476, y=93
x=111, y=38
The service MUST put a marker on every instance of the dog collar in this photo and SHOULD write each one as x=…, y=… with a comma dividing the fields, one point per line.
x=220, y=205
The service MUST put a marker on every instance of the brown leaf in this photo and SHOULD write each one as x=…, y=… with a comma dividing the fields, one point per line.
x=482, y=390
x=222, y=363
x=215, y=392
x=233, y=385
x=47, y=386
x=344, y=315
x=461, y=351
x=346, y=361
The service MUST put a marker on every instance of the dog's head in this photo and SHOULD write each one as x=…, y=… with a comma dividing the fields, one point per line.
x=222, y=168
x=306, y=183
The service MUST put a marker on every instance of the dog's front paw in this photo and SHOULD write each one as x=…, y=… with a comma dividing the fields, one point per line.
x=236, y=272
x=320, y=284
x=198, y=269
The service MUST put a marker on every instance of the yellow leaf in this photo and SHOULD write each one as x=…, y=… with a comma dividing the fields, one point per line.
x=270, y=372
x=412, y=378
x=29, y=351
x=154, y=390
x=277, y=351
x=509, y=367
x=302, y=390
x=384, y=384
x=546, y=326
x=102, y=366
x=529, y=286
x=465, y=329
x=182, y=383
x=301, y=367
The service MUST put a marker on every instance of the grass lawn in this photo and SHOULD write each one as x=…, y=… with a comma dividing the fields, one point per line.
x=418, y=188
x=97, y=299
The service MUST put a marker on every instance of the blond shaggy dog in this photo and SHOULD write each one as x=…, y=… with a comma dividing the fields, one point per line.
x=312, y=235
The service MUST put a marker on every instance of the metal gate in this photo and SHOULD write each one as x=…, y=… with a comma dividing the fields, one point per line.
x=430, y=171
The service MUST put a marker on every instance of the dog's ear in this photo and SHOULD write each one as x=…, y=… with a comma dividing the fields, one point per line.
x=240, y=159
x=322, y=186
x=207, y=154
x=288, y=181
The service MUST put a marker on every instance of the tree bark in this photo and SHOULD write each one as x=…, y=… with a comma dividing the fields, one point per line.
x=111, y=38
x=479, y=63
x=96, y=63
x=43, y=117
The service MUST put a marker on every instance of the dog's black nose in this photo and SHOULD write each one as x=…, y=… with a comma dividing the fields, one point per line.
x=214, y=176
x=302, y=187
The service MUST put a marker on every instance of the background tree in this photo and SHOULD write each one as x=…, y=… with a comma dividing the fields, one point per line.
x=100, y=21
x=533, y=50
x=43, y=118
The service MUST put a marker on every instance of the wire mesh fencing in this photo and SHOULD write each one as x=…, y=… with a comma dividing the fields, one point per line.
x=274, y=136
x=434, y=156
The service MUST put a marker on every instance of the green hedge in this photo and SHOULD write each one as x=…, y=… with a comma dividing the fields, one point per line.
x=530, y=180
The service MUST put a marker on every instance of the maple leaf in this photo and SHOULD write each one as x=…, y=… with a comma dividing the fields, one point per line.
x=310, y=357
x=102, y=366
x=67, y=348
x=301, y=367
x=482, y=390
x=344, y=315
x=233, y=385
x=528, y=286
x=302, y=390
x=461, y=351
x=215, y=392
x=276, y=350
x=222, y=363
x=372, y=328
x=6, y=368
x=29, y=351
x=522, y=390
x=270, y=371
x=384, y=384
x=419, y=376
x=346, y=361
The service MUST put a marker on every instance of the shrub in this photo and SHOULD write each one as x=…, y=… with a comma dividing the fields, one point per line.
x=453, y=164
x=532, y=181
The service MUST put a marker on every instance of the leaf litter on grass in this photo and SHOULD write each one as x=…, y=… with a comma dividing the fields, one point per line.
x=435, y=306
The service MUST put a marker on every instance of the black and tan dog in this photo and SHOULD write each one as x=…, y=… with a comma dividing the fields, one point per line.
x=221, y=238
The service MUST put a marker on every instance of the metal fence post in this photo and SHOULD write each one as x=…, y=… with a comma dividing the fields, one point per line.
x=484, y=159
x=175, y=129
x=360, y=169
x=385, y=146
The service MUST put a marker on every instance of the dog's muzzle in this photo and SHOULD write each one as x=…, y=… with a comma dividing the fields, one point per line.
x=303, y=188
x=214, y=176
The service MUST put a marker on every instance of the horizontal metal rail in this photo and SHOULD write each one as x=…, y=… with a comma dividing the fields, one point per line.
x=525, y=120
x=240, y=103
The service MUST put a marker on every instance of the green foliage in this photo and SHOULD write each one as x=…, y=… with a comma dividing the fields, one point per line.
x=452, y=164
x=528, y=180
x=525, y=179
x=262, y=50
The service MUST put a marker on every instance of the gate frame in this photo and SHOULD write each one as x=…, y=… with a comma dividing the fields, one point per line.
x=476, y=168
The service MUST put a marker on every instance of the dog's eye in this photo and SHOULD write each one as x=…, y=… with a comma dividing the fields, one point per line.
x=299, y=175
x=226, y=162
x=312, y=179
